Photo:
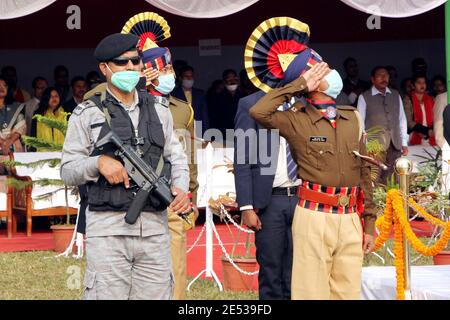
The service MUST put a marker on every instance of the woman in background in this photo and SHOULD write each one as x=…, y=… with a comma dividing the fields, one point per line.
x=12, y=121
x=419, y=113
x=50, y=107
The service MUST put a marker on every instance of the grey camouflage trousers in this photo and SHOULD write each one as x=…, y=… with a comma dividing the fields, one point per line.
x=128, y=268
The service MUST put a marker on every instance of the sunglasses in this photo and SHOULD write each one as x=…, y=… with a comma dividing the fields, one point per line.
x=124, y=61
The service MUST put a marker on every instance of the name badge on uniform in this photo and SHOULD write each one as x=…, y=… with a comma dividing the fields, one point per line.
x=317, y=139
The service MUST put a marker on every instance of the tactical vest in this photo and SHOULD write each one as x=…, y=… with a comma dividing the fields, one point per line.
x=385, y=112
x=103, y=196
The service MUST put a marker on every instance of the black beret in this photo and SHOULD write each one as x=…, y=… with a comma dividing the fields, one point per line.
x=114, y=45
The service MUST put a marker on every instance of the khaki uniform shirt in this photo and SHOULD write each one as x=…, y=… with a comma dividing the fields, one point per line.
x=324, y=155
x=183, y=124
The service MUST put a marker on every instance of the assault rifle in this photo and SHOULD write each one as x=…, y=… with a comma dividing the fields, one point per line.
x=143, y=175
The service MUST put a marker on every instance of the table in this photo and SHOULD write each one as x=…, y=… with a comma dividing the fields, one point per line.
x=48, y=196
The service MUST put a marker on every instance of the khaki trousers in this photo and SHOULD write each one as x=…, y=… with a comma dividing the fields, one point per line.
x=178, y=253
x=328, y=256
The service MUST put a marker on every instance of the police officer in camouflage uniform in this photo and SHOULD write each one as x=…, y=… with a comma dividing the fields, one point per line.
x=124, y=261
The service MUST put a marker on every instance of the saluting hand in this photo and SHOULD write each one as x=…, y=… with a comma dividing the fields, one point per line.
x=314, y=76
x=150, y=74
x=113, y=171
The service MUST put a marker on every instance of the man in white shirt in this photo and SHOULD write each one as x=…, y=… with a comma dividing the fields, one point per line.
x=383, y=107
x=266, y=187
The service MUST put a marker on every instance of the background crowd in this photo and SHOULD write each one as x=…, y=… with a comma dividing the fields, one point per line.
x=420, y=96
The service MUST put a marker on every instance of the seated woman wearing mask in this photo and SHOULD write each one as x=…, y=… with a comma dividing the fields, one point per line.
x=12, y=121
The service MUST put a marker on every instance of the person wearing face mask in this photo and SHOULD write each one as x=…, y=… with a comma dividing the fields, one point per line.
x=124, y=261
x=225, y=104
x=12, y=122
x=194, y=96
x=160, y=83
x=322, y=139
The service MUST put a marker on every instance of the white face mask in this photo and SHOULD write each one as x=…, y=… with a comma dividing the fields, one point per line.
x=188, y=84
x=232, y=88
x=334, y=84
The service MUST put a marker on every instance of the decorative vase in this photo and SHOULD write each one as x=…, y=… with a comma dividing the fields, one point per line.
x=233, y=280
x=62, y=235
x=442, y=258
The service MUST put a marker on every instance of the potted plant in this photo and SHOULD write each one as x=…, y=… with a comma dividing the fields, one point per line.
x=240, y=266
x=62, y=229
x=234, y=279
x=443, y=258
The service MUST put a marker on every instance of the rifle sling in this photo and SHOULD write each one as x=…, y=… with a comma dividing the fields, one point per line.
x=160, y=166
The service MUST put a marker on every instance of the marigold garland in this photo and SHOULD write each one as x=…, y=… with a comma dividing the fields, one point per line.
x=394, y=215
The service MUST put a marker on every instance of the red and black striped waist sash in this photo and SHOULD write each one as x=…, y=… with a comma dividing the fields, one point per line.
x=345, y=203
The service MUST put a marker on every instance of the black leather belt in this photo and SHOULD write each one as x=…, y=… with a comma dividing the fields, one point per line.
x=289, y=191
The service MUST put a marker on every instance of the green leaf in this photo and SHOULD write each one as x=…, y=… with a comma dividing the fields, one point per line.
x=20, y=184
x=52, y=163
x=53, y=123
x=42, y=144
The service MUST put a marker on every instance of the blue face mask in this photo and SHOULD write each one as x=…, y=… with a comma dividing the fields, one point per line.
x=166, y=83
x=125, y=80
x=335, y=84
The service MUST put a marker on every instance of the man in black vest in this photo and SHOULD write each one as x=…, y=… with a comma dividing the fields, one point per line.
x=382, y=107
x=124, y=261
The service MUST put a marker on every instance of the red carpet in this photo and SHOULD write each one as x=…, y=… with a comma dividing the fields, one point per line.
x=39, y=241
x=196, y=259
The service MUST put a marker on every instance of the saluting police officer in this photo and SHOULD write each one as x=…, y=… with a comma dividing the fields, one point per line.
x=329, y=240
x=124, y=261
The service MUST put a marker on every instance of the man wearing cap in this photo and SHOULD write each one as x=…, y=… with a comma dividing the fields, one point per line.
x=160, y=82
x=323, y=138
x=183, y=119
x=124, y=261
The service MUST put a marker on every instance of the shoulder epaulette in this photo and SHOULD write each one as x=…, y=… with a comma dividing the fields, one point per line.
x=344, y=107
x=83, y=106
x=173, y=99
x=162, y=101
x=298, y=107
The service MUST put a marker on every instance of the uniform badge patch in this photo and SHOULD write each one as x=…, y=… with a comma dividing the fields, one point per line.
x=317, y=139
x=331, y=112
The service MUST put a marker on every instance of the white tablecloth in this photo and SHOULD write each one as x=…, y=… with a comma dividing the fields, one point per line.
x=3, y=190
x=222, y=180
x=415, y=151
x=56, y=194
x=427, y=283
x=2, y=201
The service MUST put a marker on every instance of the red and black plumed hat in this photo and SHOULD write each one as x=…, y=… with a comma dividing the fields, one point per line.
x=277, y=52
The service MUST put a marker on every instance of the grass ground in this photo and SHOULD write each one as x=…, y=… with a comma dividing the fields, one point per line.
x=39, y=276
